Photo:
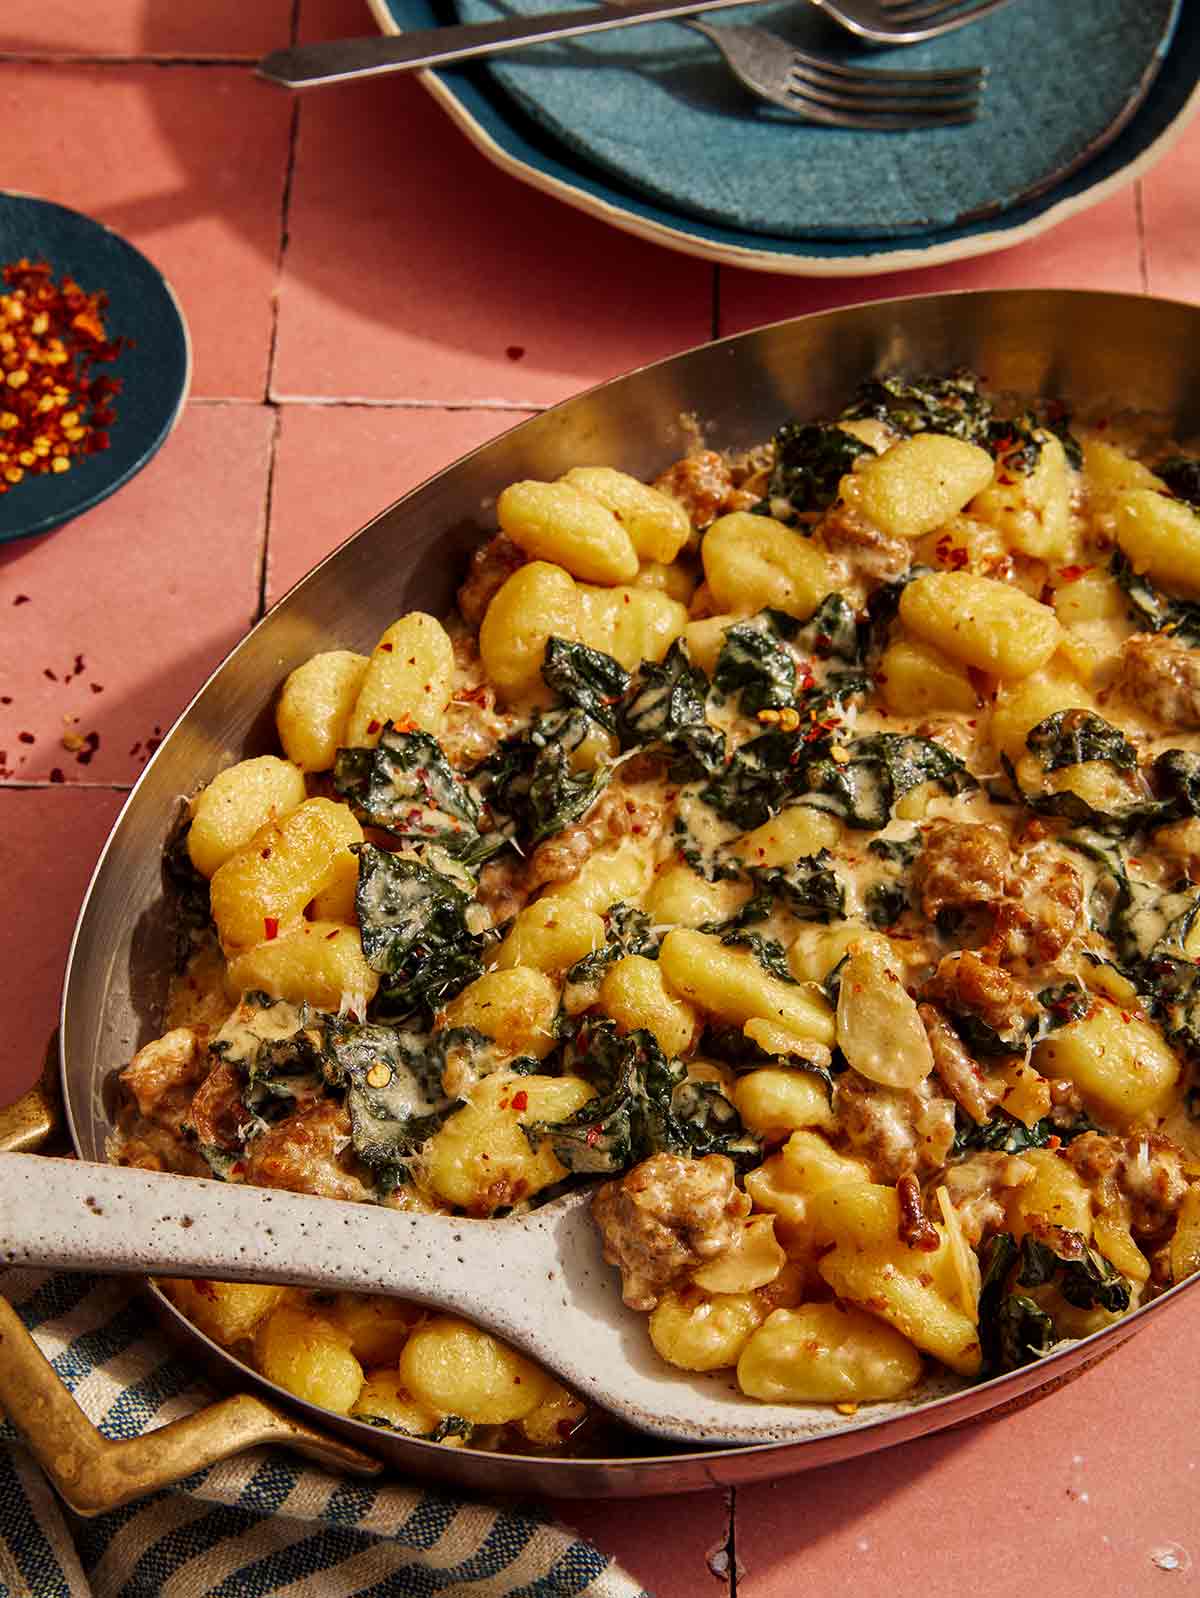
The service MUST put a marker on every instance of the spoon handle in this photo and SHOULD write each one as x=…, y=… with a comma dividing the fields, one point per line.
x=111, y=1219
x=311, y=66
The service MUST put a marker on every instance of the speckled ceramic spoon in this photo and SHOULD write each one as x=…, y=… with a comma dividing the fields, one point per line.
x=538, y=1281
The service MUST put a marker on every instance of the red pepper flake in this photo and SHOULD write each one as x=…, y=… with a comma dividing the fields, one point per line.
x=1053, y=1143
x=329, y=936
x=78, y=668
x=592, y=1136
x=91, y=742
x=1072, y=574
x=373, y=726
x=46, y=672
x=25, y=738
x=387, y=648
x=5, y=699
x=96, y=687
x=520, y=1101
x=515, y=352
x=52, y=406
x=271, y=925
x=22, y=599
x=56, y=775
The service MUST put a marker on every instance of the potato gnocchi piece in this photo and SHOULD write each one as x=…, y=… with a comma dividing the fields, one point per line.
x=731, y=985
x=320, y=963
x=549, y=936
x=634, y=993
x=480, y=1159
x=915, y=678
x=228, y=1312
x=314, y=707
x=261, y=892
x=408, y=681
x=563, y=523
x=657, y=524
x=236, y=804
x=981, y=622
x=878, y=1028
x=826, y=1354
x=1032, y=509
x=754, y=561
x=698, y=1331
x=539, y=601
x=1118, y=1061
x=775, y=1101
x=918, y=484
x=378, y=1327
x=630, y=624
x=384, y=1397
x=455, y=1368
x=515, y=1007
x=309, y=1355
x=1161, y=536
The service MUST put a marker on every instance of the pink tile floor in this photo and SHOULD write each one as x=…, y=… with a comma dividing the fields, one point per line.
x=368, y=299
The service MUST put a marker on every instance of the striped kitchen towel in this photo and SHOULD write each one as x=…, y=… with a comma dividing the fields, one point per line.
x=264, y=1523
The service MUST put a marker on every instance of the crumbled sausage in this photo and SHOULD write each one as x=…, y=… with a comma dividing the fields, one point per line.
x=302, y=1153
x=1041, y=911
x=619, y=813
x=916, y=1230
x=899, y=1132
x=861, y=556
x=978, y=1186
x=962, y=864
x=960, y=1075
x=1162, y=677
x=162, y=1074
x=216, y=1110
x=965, y=984
x=665, y=1218
x=502, y=889
x=1145, y=1169
x=704, y=485
x=492, y=565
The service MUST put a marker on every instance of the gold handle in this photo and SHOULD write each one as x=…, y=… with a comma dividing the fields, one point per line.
x=36, y=1118
x=92, y=1473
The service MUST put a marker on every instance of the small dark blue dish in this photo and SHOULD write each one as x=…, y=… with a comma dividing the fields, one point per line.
x=154, y=367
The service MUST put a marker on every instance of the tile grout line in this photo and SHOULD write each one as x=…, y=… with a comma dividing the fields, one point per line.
x=275, y=412
x=64, y=58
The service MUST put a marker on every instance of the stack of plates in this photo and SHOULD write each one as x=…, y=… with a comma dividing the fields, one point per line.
x=646, y=129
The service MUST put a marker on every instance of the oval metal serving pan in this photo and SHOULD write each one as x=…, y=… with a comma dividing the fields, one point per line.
x=1099, y=352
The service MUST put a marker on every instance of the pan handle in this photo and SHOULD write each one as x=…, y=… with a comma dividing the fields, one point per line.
x=36, y=1119
x=92, y=1473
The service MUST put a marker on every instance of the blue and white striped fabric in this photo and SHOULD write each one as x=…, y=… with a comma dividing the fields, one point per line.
x=261, y=1524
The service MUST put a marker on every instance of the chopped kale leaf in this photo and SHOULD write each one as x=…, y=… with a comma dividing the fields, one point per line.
x=756, y=662
x=585, y=678
x=950, y=405
x=406, y=786
x=1153, y=611
x=392, y=1083
x=831, y=632
x=811, y=458
x=1070, y=737
x=882, y=767
x=664, y=711
x=528, y=781
x=645, y=1105
x=1181, y=474
x=1004, y=1134
x=413, y=924
x=1016, y=1329
x=1066, y=1003
x=808, y=887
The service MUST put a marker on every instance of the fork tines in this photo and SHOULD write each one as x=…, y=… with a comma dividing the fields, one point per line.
x=901, y=99
x=918, y=11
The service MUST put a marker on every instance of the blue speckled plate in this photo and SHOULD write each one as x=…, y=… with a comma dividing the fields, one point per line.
x=521, y=145
x=154, y=372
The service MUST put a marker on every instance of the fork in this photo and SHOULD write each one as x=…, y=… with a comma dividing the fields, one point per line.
x=336, y=61
x=840, y=96
x=905, y=21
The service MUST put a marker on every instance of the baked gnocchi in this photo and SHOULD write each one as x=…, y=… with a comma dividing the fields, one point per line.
x=813, y=861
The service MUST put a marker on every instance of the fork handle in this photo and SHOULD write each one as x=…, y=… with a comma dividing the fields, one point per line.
x=311, y=66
